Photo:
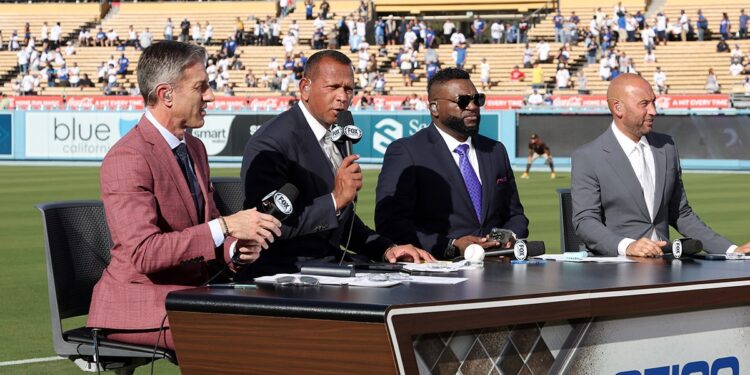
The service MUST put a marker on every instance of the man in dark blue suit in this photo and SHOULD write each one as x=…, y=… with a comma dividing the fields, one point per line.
x=446, y=186
x=295, y=147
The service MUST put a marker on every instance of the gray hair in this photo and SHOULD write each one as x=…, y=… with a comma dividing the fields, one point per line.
x=164, y=62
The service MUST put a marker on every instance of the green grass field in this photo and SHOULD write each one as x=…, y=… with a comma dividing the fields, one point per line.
x=720, y=199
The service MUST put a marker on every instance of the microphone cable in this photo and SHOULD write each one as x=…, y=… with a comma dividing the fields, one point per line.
x=351, y=229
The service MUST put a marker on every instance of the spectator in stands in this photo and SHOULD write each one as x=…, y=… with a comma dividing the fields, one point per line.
x=528, y=56
x=496, y=32
x=309, y=6
x=54, y=35
x=325, y=7
x=516, y=75
x=457, y=38
x=344, y=31
x=511, y=34
x=660, y=81
x=44, y=32
x=448, y=29
x=537, y=76
x=701, y=25
x=459, y=55
x=145, y=39
x=74, y=73
x=84, y=37
x=605, y=71
x=196, y=34
x=250, y=79
x=169, y=30
x=478, y=28
x=631, y=26
x=685, y=26
x=50, y=74
x=122, y=65
x=649, y=57
x=111, y=76
x=542, y=50
x=236, y=63
x=63, y=76
x=185, y=30
x=558, y=21
x=379, y=85
x=582, y=83
x=743, y=24
x=484, y=76
x=317, y=41
x=647, y=37
x=722, y=46
x=101, y=38
x=260, y=33
x=523, y=30
x=746, y=85
x=410, y=38
x=23, y=60
x=563, y=56
x=208, y=33
x=712, y=83
x=274, y=32
x=661, y=28
x=230, y=46
x=112, y=38
x=562, y=77
x=535, y=98
x=591, y=49
x=101, y=73
x=361, y=28
x=736, y=68
x=406, y=68
x=229, y=89
x=725, y=26
x=29, y=83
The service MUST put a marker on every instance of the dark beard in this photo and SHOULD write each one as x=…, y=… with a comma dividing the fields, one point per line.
x=459, y=125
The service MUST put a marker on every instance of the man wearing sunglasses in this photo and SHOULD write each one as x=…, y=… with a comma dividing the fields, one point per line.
x=446, y=186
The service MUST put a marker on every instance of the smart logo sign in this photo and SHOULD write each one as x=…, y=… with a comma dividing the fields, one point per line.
x=72, y=135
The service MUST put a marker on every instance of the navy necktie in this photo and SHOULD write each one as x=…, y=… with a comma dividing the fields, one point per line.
x=470, y=178
x=195, y=191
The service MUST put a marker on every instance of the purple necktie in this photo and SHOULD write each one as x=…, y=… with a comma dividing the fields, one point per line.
x=470, y=178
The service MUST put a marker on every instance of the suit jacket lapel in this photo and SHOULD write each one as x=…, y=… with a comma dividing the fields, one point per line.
x=620, y=164
x=660, y=167
x=200, y=173
x=168, y=161
x=486, y=170
x=443, y=157
x=311, y=150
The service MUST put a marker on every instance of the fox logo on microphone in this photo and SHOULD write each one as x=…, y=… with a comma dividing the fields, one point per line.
x=283, y=203
x=336, y=133
x=352, y=132
x=519, y=250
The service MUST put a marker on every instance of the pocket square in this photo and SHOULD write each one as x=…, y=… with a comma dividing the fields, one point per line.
x=501, y=180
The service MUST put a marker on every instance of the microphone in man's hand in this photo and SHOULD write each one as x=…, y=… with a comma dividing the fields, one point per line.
x=684, y=247
x=346, y=132
x=279, y=203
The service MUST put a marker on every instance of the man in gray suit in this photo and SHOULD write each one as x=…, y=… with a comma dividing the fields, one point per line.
x=627, y=185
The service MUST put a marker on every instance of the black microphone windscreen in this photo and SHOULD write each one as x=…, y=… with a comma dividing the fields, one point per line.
x=344, y=118
x=691, y=246
x=535, y=248
x=290, y=191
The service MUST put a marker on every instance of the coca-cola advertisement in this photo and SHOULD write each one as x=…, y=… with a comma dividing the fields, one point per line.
x=35, y=102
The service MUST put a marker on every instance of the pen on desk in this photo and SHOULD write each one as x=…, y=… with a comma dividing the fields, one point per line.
x=233, y=286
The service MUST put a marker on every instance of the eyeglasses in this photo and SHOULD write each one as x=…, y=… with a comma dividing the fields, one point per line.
x=297, y=281
x=463, y=100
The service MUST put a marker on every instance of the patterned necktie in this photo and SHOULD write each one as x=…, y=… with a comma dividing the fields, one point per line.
x=647, y=181
x=195, y=190
x=470, y=178
x=332, y=153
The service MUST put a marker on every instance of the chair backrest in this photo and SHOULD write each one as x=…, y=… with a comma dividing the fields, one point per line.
x=228, y=194
x=77, y=246
x=569, y=241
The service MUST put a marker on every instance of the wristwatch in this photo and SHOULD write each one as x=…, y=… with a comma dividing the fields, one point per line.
x=451, y=250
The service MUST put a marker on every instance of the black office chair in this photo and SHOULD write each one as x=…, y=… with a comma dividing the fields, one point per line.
x=569, y=241
x=77, y=247
x=228, y=194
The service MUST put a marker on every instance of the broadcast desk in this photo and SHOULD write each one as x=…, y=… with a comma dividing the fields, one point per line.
x=552, y=318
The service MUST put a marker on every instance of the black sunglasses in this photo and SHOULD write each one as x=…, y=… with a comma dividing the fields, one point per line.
x=463, y=100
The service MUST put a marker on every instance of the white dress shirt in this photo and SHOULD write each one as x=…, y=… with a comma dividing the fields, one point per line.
x=320, y=132
x=453, y=143
x=216, y=232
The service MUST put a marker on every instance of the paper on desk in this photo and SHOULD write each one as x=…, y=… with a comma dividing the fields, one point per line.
x=440, y=267
x=568, y=258
x=371, y=280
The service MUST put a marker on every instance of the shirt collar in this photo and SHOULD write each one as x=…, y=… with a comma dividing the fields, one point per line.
x=626, y=143
x=450, y=141
x=317, y=128
x=172, y=141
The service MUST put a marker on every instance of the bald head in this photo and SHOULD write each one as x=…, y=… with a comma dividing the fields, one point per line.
x=633, y=105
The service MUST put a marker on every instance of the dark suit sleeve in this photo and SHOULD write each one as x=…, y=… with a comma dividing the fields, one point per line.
x=517, y=220
x=587, y=207
x=363, y=240
x=686, y=221
x=396, y=196
x=265, y=168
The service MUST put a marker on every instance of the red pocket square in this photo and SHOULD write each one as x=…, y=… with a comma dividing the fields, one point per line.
x=501, y=180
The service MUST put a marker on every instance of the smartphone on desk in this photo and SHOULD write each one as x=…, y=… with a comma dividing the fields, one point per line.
x=380, y=267
x=710, y=256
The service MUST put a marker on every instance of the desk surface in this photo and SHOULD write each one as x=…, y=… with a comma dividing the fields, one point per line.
x=502, y=282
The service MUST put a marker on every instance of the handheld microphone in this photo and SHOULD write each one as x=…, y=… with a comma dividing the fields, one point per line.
x=684, y=247
x=346, y=132
x=279, y=203
x=521, y=250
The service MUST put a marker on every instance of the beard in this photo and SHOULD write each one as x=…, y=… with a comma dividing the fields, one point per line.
x=459, y=125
